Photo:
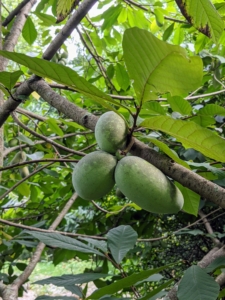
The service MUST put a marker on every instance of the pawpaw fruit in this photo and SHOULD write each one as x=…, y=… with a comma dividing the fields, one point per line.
x=24, y=172
x=19, y=157
x=147, y=186
x=111, y=132
x=13, y=142
x=93, y=175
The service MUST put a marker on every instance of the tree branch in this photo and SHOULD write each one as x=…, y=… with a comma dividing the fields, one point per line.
x=208, y=227
x=14, y=13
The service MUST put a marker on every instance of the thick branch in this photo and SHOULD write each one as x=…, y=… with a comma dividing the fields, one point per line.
x=205, y=188
x=14, y=13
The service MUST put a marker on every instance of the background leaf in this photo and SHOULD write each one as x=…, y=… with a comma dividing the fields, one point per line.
x=120, y=240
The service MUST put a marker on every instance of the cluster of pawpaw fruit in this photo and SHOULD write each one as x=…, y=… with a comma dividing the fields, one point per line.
x=95, y=174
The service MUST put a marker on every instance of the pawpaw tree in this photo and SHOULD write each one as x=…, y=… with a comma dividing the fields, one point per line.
x=157, y=67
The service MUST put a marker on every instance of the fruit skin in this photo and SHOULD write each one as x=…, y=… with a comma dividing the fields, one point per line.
x=13, y=142
x=93, y=175
x=24, y=172
x=19, y=158
x=147, y=186
x=111, y=132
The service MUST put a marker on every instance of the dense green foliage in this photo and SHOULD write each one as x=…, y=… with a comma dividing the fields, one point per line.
x=160, y=66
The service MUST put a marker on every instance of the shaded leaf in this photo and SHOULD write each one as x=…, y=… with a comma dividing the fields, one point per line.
x=158, y=67
x=191, y=135
x=125, y=282
x=64, y=242
x=197, y=284
x=217, y=263
x=180, y=105
x=149, y=296
x=120, y=240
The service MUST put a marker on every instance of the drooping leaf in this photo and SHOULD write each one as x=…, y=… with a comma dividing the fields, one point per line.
x=29, y=31
x=203, y=16
x=197, y=284
x=25, y=139
x=69, y=279
x=64, y=242
x=52, y=123
x=212, y=110
x=122, y=77
x=172, y=154
x=191, y=200
x=158, y=67
x=8, y=79
x=123, y=283
x=191, y=135
x=61, y=74
x=120, y=240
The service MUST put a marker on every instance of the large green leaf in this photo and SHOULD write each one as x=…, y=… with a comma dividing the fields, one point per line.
x=125, y=282
x=120, y=240
x=64, y=242
x=29, y=31
x=203, y=16
x=197, y=284
x=191, y=135
x=158, y=67
x=61, y=74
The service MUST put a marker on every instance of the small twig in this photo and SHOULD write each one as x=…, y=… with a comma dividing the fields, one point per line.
x=24, y=179
x=45, y=138
x=28, y=162
x=208, y=227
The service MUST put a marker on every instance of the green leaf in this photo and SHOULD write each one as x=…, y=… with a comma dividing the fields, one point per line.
x=191, y=135
x=158, y=67
x=61, y=74
x=69, y=279
x=203, y=16
x=24, y=189
x=212, y=110
x=219, y=262
x=197, y=284
x=122, y=77
x=172, y=154
x=120, y=240
x=110, y=16
x=64, y=242
x=47, y=20
x=157, y=290
x=52, y=123
x=168, y=32
x=102, y=245
x=180, y=105
x=8, y=79
x=191, y=200
x=159, y=16
x=29, y=31
x=25, y=139
x=123, y=283
x=154, y=107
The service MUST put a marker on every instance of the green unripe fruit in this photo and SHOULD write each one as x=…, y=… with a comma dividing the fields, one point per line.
x=13, y=142
x=147, y=186
x=93, y=175
x=111, y=132
x=24, y=172
x=19, y=158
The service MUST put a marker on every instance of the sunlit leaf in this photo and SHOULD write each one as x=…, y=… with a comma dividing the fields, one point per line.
x=190, y=135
